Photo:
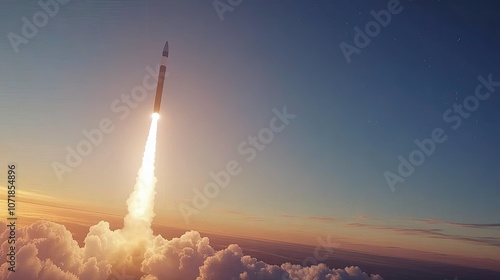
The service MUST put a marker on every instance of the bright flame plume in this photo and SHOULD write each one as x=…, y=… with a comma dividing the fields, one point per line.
x=141, y=201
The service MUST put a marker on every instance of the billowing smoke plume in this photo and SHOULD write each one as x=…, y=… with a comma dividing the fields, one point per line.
x=47, y=250
x=141, y=201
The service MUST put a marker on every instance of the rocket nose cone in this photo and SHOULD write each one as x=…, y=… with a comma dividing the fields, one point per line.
x=165, y=49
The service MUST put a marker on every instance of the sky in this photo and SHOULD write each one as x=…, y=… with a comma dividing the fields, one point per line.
x=228, y=74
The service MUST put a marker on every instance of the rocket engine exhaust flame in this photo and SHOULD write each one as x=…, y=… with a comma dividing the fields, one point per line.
x=141, y=201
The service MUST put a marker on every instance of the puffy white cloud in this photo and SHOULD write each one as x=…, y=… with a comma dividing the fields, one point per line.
x=321, y=271
x=46, y=250
x=179, y=258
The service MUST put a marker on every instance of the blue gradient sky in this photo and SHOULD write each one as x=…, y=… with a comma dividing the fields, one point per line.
x=353, y=119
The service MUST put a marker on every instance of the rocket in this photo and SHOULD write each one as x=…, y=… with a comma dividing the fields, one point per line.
x=161, y=79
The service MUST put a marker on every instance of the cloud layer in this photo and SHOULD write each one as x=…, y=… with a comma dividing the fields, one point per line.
x=47, y=250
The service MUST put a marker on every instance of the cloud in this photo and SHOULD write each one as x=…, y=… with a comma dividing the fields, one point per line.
x=321, y=218
x=321, y=271
x=312, y=218
x=47, y=250
x=466, y=225
x=432, y=233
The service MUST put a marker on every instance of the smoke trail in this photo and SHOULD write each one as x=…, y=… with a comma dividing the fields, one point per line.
x=141, y=201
